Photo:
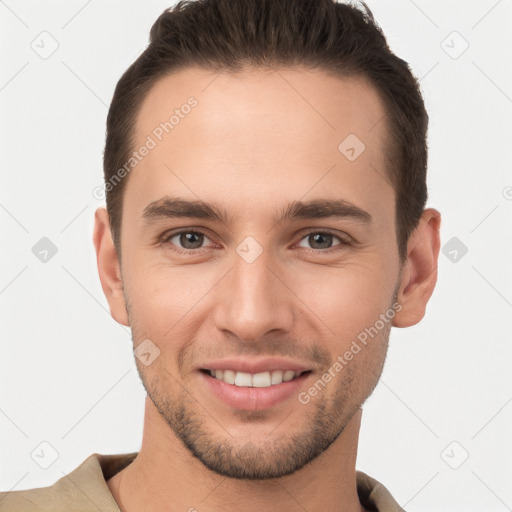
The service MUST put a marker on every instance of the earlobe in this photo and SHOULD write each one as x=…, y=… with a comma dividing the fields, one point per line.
x=108, y=267
x=419, y=274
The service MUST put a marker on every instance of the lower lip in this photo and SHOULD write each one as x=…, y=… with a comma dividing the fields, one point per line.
x=251, y=398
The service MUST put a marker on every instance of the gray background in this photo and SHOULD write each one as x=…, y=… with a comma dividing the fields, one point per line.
x=436, y=431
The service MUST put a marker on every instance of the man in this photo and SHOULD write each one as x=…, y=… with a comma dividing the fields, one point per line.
x=265, y=170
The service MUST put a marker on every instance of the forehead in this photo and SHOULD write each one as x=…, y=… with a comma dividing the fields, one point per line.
x=249, y=138
x=273, y=100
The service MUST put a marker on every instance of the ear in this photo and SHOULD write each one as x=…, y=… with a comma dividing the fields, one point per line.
x=419, y=275
x=108, y=267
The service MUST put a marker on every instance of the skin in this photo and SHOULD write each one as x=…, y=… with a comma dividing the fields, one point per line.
x=255, y=142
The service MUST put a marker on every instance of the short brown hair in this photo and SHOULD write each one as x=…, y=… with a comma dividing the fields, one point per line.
x=226, y=35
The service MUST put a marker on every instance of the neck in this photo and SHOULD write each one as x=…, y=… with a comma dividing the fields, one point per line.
x=165, y=476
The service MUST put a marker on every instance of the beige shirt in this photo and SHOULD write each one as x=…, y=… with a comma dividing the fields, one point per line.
x=85, y=490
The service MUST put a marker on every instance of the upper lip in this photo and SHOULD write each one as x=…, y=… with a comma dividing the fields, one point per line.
x=267, y=364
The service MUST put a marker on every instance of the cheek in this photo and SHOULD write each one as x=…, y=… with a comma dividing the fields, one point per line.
x=348, y=298
x=345, y=298
x=162, y=298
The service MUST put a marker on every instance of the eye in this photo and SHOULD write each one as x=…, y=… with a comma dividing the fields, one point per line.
x=187, y=241
x=322, y=241
x=192, y=241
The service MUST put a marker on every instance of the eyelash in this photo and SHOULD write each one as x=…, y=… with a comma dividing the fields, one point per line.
x=343, y=242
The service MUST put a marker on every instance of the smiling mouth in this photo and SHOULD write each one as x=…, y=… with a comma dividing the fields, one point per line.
x=255, y=380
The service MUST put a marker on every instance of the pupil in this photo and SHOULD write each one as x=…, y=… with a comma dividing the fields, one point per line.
x=323, y=239
x=191, y=238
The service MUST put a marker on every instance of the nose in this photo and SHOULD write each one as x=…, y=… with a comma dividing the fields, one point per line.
x=254, y=300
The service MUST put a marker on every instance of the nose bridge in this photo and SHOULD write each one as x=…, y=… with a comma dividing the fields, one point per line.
x=253, y=300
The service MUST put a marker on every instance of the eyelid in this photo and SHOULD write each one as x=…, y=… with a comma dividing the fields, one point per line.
x=326, y=231
x=345, y=241
x=168, y=235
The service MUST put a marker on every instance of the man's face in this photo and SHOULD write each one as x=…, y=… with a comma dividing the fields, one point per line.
x=288, y=294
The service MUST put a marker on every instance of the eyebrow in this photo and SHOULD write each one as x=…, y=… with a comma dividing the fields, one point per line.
x=175, y=207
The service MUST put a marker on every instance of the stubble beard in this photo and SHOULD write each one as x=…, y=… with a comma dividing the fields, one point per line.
x=283, y=453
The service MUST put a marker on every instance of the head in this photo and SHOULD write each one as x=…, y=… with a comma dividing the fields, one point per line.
x=265, y=168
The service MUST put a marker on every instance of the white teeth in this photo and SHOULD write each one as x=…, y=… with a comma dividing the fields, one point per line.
x=288, y=375
x=229, y=376
x=277, y=377
x=257, y=380
x=243, y=379
x=261, y=380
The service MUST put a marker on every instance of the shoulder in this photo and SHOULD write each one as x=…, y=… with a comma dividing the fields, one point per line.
x=375, y=496
x=56, y=497
x=83, y=490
